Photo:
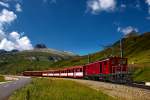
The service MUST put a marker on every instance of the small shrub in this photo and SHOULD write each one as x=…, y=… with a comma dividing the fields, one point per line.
x=2, y=78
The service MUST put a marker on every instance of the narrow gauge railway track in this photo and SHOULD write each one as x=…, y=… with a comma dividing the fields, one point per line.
x=133, y=84
x=119, y=91
x=138, y=85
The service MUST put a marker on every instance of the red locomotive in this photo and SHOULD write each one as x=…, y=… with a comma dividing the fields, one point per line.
x=112, y=69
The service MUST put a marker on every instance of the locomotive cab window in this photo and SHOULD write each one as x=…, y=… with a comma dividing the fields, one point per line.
x=123, y=61
x=114, y=61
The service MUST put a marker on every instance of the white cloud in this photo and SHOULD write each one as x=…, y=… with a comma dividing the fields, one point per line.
x=18, y=7
x=7, y=16
x=4, y=4
x=2, y=34
x=127, y=30
x=24, y=43
x=101, y=5
x=12, y=40
x=7, y=45
x=20, y=43
x=14, y=35
x=148, y=3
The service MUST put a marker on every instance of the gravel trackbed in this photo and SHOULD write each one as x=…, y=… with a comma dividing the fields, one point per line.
x=120, y=92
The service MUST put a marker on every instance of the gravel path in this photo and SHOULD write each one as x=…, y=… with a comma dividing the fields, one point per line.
x=120, y=92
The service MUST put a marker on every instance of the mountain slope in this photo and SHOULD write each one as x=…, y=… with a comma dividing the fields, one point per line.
x=39, y=59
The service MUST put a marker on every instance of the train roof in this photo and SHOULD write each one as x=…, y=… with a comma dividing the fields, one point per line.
x=79, y=66
x=105, y=59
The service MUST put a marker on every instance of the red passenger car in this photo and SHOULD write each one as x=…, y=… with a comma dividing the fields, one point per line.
x=63, y=73
x=56, y=73
x=70, y=72
x=32, y=73
x=78, y=72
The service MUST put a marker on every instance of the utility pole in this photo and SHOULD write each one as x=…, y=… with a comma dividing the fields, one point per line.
x=121, y=54
x=88, y=58
x=121, y=48
x=112, y=49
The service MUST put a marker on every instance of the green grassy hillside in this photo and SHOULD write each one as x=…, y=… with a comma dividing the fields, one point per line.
x=14, y=63
x=58, y=89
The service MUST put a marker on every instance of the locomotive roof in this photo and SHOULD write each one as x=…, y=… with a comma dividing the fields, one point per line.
x=104, y=59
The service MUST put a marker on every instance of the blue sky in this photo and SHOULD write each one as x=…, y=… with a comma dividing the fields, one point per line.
x=79, y=26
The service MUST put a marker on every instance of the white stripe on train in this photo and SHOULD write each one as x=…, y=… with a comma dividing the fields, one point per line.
x=80, y=74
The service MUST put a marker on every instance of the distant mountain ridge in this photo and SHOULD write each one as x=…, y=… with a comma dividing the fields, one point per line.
x=37, y=59
x=54, y=51
x=63, y=54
